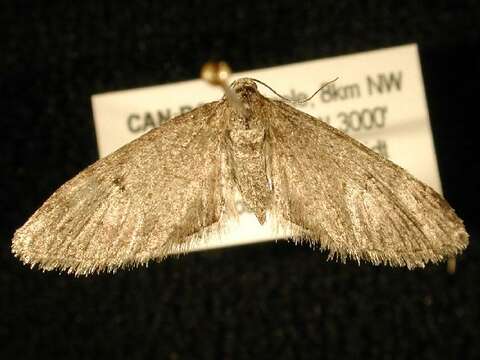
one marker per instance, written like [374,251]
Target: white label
[379,99]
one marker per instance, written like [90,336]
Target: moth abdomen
[249,169]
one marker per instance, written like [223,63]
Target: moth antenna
[217,73]
[295,101]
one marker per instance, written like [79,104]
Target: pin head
[216,73]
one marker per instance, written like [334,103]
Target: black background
[259,301]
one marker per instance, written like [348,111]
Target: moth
[175,186]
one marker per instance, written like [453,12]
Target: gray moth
[175,186]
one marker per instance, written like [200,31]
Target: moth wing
[152,196]
[350,200]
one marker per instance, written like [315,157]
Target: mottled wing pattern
[154,195]
[352,201]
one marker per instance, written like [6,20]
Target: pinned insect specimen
[175,186]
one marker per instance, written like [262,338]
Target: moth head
[244,86]
[238,93]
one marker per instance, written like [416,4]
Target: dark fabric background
[261,301]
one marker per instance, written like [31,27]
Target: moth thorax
[247,137]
